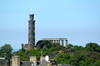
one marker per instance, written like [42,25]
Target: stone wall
[25,46]
[33,59]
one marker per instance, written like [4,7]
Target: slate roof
[44,63]
[26,63]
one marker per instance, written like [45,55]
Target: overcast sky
[76,20]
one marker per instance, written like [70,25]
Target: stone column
[15,61]
[22,46]
[59,41]
[33,59]
[54,41]
[62,43]
[66,43]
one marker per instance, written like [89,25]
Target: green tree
[78,47]
[23,50]
[97,63]
[57,47]
[55,44]
[33,52]
[23,56]
[69,46]
[6,49]
[43,43]
[92,47]
[62,58]
[79,59]
[44,48]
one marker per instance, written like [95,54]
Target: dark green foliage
[73,55]
[35,52]
[62,58]
[92,47]
[23,56]
[44,48]
[43,43]
[79,59]
[23,50]
[6,50]
[69,46]
[97,63]
[78,47]
[57,47]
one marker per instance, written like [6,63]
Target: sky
[76,20]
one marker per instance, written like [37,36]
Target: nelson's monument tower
[31,36]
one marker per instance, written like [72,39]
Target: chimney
[15,61]
[33,59]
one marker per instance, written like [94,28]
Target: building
[15,61]
[31,36]
[57,40]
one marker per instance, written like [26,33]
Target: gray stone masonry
[15,61]
[33,59]
[31,40]
[57,40]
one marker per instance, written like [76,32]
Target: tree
[62,58]
[43,43]
[44,48]
[78,47]
[46,43]
[57,47]
[23,50]
[92,47]
[33,52]
[69,46]
[79,59]
[97,63]
[6,49]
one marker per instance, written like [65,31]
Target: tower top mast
[31,11]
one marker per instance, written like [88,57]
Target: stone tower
[31,40]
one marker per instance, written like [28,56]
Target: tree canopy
[6,49]
[92,47]
[43,43]
[72,54]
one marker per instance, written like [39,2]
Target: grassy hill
[73,55]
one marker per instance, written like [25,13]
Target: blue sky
[76,20]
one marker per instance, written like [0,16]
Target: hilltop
[72,54]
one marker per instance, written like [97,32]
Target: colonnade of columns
[58,40]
